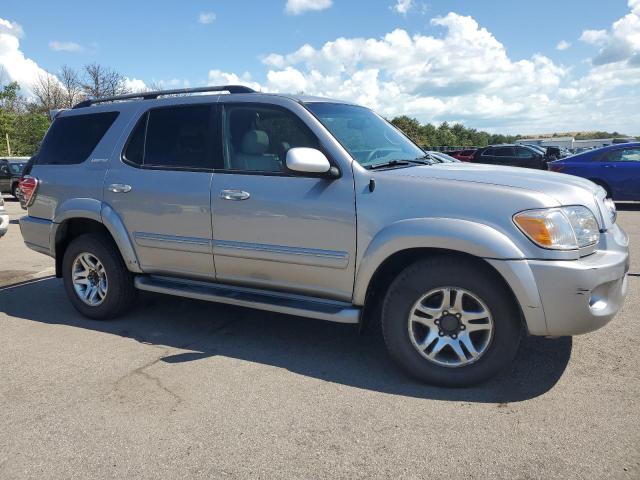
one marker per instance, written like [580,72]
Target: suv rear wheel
[450,322]
[95,277]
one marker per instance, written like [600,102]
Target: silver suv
[321,209]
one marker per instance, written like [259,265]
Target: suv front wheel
[95,277]
[450,322]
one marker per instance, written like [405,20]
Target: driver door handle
[119,188]
[234,195]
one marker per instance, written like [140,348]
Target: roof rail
[158,93]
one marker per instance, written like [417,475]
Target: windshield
[369,138]
[16,167]
[537,148]
[443,157]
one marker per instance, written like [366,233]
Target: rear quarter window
[70,140]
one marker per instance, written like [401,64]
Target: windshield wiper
[400,163]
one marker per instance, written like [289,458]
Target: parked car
[442,157]
[615,167]
[514,155]
[10,172]
[4,218]
[463,155]
[324,210]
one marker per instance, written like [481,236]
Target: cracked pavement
[187,389]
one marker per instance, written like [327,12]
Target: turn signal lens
[566,228]
[548,228]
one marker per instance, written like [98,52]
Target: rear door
[621,170]
[505,156]
[160,183]
[525,157]
[487,156]
[276,230]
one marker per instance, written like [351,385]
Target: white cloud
[59,46]
[296,7]
[17,67]
[563,45]
[218,77]
[621,43]
[403,6]
[463,75]
[594,37]
[135,85]
[206,18]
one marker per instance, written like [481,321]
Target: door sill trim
[287,303]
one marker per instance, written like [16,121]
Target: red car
[463,155]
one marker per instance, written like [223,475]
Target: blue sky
[436,59]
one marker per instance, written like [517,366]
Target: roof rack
[158,93]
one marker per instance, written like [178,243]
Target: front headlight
[565,228]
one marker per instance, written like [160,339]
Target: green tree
[411,128]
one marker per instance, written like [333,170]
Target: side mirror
[309,160]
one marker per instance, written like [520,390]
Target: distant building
[571,143]
[566,142]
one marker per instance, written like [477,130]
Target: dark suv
[514,155]
[10,172]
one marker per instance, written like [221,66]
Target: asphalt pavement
[186,389]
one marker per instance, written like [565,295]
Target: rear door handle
[119,188]
[234,195]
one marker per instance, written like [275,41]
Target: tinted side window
[524,153]
[257,138]
[176,137]
[503,152]
[626,155]
[135,147]
[489,152]
[71,140]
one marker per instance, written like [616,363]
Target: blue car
[616,168]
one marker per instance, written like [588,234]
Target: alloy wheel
[450,326]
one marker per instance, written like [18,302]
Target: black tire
[14,194]
[473,276]
[120,293]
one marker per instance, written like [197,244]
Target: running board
[288,303]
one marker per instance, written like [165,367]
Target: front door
[272,229]
[621,170]
[161,190]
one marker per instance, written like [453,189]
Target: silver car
[321,209]
[4,218]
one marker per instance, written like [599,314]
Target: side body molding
[452,234]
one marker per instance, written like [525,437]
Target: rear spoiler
[55,112]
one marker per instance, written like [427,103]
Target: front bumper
[571,297]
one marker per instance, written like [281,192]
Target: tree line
[24,120]
[446,135]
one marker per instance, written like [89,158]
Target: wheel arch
[462,237]
[97,218]
[398,246]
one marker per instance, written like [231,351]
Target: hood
[565,189]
